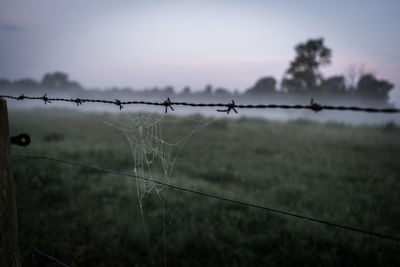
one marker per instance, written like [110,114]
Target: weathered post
[9,243]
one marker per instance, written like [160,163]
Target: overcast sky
[232,43]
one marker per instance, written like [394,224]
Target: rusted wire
[228,106]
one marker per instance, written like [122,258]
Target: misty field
[344,174]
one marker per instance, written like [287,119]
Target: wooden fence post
[9,242]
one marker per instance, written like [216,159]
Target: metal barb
[78,101]
[315,106]
[118,103]
[45,99]
[167,103]
[21,97]
[230,106]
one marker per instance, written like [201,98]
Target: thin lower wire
[44,254]
[341,226]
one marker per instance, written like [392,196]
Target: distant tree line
[55,81]
[303,79]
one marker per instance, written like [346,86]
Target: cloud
[12,28]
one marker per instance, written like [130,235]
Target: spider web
[149,148]
[152,154]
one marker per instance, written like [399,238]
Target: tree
[334,85]
[58,80]
[371,89]
[263,86]
[55,80]
[303,74]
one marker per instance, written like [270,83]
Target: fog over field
[163,184]
[346,117]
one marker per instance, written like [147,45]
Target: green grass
[344,174]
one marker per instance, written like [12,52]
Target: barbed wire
[228,106]
[37,251]
[239,202]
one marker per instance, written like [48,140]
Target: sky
[231,44]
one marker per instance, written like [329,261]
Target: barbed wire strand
[228,106]
[44,254]
[239,202]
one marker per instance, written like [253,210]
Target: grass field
[344,174]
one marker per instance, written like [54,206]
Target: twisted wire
[228,106]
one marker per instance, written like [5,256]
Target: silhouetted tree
[303,74]
[334,85]
[58,80]
[263,86]
[54,80]
[373,90]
